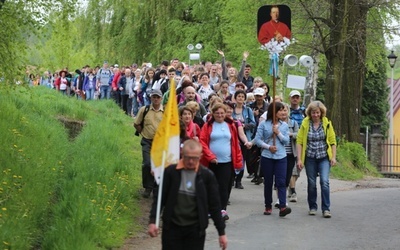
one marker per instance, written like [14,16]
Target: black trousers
[291,161]
[147,177]
[183,237]
[224,174]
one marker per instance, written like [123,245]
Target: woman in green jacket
[316,150]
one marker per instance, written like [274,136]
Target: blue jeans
[271,168]
[313,167]
[105,91]
[90,94]
[135,106]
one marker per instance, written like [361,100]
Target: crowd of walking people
[231,116]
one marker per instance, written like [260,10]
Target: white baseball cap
[259,91]
[294,92]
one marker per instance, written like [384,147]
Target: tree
[344,41]
[18,21]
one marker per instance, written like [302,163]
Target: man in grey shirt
[103,81]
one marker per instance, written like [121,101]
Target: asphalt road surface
[365,215]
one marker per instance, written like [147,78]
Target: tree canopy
[345,38]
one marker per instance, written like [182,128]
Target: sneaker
[224,215]
[259,181]
[250,176]
[312,212]
[327,214]
[268,211]
[239,185]
[293,198]
[254,180]
[284,211]
[276,204]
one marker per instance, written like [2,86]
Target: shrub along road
[364,216]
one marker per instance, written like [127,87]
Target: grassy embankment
[77,188]
[65,188]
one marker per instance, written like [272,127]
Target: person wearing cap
[297,113]
[146,124]
[258,107]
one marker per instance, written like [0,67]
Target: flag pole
[274,75]
[160,190]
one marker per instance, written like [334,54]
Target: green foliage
[352,162]
[60,192]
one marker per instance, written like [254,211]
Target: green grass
[63,193]
[352,162]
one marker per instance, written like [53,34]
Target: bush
[352,162]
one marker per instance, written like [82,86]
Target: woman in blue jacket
[272,137]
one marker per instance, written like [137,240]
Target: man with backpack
[146,124]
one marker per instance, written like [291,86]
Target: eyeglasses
[191,158]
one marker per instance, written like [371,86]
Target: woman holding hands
[272,137]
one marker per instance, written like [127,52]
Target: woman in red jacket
[221,151]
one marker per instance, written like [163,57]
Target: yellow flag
[165,148]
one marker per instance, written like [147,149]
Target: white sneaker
[277,203]
[293,198]
[312,212]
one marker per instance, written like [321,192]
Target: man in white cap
[297,113]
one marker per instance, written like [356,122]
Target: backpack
[298,115]
[146,110]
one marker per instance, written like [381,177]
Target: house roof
[396,94]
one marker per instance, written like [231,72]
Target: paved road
[365,215]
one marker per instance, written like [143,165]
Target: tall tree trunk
[346,66]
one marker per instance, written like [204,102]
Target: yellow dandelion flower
[20,150]
[98,183]
[108,219]
[6,243]
[54,169]
[14,176]
[4,209]
[4,183]
[15,146]
[19,177]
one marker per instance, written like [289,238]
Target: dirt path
[142,240]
